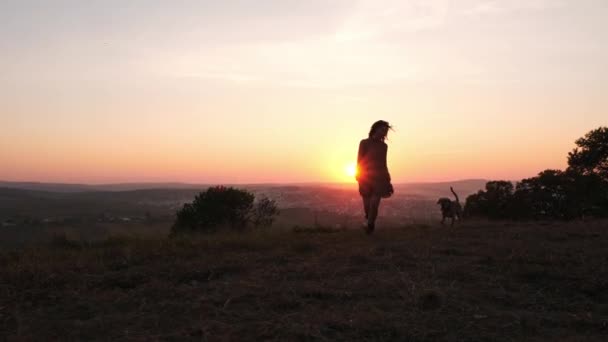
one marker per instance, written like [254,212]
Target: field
[476,282]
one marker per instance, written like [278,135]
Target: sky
[280,91]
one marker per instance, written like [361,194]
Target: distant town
[33,204]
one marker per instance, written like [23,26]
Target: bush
[221,207]
[264,212]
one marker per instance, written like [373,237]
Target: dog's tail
[454,192]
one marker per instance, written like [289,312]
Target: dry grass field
[476,282]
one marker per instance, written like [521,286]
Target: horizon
[241,184]
[281,92]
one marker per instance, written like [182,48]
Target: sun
[351,170]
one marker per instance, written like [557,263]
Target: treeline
[579,191]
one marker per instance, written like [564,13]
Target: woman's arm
[360,154]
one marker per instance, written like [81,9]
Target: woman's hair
[378,125]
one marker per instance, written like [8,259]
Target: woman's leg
[366,201]
[374,204]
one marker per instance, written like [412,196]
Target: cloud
[485,7]
[371,19]
[355,53]
[315,63]
[373,43]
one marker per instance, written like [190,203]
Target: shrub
[264,212]
[219,207]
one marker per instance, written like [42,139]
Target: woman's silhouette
[372,172]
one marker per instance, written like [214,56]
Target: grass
[476,282]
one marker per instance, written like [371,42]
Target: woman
[372,172]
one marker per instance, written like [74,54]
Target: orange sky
[282,91]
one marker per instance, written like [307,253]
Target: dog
[450,209]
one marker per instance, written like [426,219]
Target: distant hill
[463,188]
[429,189]
[38,203]
[74,187]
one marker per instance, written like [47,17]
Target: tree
[591,154]
[543,196]
[587,195]
[494,202]
[476,205]
[219,207]
[580,191]
[499,195]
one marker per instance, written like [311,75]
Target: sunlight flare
[351,170]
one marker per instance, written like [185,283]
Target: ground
[475,282]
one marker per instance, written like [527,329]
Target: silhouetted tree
[580,191]
[545,195]
[588,165]
[224,207]
[494,202]
[475,205]
[587,195]
[591,154]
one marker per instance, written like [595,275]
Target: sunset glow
[280,91]
[351,170]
